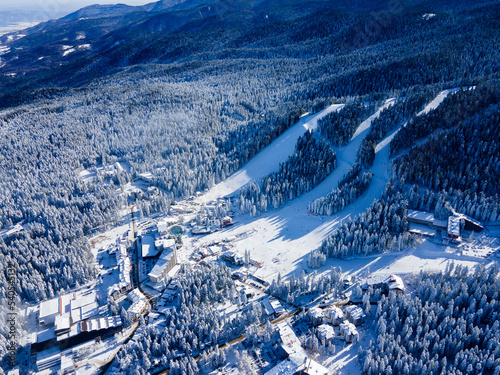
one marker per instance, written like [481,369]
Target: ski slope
[269,159]
[282,239]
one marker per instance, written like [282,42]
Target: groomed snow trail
[268,159]
[282,239]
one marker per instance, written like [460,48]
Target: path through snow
[283,238]
[267,160]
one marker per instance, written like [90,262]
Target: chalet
[316,316]
[226,221]
[355,314]
[453,230]
[326,333]
[395,283]
[233,258]
[385,284]
[334,315]
[348,332]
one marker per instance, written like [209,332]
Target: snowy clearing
[282,239]
[267,160]
[16,27]
[290,233]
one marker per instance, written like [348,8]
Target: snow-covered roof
[83,300]
[276,305]
[267,306]
[46,335]
[49,308]
[316,313]
[137,307]
[100,323]
[85,312]
[67,362]
[355,312]
[148,246]
[162,227]
[158,269]
[348,328]
[164,243]
[326,331]
[454,225]
[62,322]
[48,354]
[291,344]
[214,249]
[167,254]
[421,216]
[396,282]
[285,367]
[135,295]
[335,313]
[311,367]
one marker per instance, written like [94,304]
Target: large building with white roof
[348,331]
[297,361]
[167,261]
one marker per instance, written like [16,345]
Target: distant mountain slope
[102,40]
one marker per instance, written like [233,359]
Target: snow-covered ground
[288,234]
[282,239]
[16,26]
[267,160]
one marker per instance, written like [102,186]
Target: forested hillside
[449,326]
[190,95]
[312,161]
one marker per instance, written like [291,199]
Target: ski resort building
[453,226]
[272,307]
[165,244]
[49,310]
[148,249]
[385,284]
[139,303]
[316,316]
[101,323]
[233,258]
[124,264]
[326,333]
[458,223]
[167,261]
[355,314]
[334,315]
[348,332]
[48,358]
[453,231]
[297,361]
[73,306]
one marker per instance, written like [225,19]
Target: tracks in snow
[289,233]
